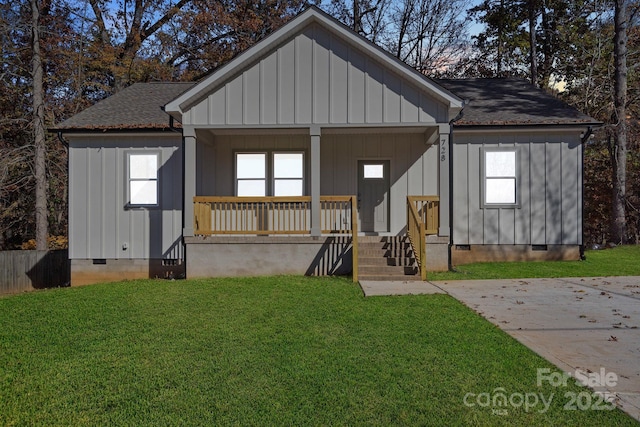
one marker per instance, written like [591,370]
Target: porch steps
[386,258]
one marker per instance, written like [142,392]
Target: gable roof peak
[312,14]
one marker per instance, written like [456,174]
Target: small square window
[373,171]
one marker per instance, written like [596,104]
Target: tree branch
[102,28]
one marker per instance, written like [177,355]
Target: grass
[267,351]
[620,261]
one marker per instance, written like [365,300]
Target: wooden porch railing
[428,208]
[276,215]
[422,220]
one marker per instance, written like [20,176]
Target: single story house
[317,152]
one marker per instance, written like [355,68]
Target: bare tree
[39,130]
[533,60]
[619,145]
[428,34]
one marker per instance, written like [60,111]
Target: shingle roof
[511,101]
[491,102]
[136,107]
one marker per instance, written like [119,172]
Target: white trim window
[288,174]
[251,174]
[283,171]
[142,178]
[500,178]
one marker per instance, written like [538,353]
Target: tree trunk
[619,152]
[38,131]
[500,43]
[533,60]
[357,27]
[544,70]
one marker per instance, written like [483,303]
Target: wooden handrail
[428,209]
[230,199]
[354,237]
[417,237]
[422,220]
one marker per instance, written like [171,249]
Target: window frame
[129,179]
[273,174]
[485,178]
[270,179]
[235,172]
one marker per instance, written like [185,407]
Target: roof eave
[118,129]
[526,124]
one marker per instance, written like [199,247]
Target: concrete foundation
[88,271]
[467,254]
[437,253]
[224,256]
[220,256]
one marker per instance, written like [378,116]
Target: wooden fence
[28,270]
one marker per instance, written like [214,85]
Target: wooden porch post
[444,190]
[314,133]
[189,136]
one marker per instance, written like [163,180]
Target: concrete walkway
[589,326]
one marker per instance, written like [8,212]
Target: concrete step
[370,246]
[387,270]
[389,278]
[386,261]
[382,240]
[386,258]
[381,253]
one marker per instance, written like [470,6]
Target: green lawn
[268,351]
[620,261]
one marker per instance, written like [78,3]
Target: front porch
[247,236]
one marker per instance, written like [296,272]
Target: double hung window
[275,174]
[500,178]
[142,177]
[251,174]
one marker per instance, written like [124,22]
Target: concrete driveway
[585,326]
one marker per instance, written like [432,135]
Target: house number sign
[443,150]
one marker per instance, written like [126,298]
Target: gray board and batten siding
[315,77]
[549,171]
[101,224]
